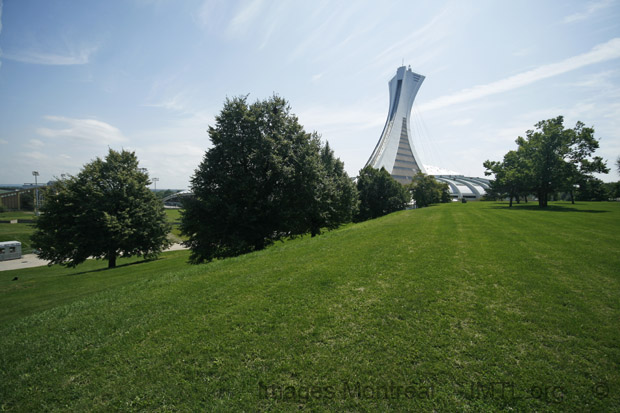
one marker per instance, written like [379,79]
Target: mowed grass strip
[472,307]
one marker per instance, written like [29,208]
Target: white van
[10,250]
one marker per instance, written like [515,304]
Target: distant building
[20,199]
[176,200]
[395,150]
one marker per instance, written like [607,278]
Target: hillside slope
[460,306]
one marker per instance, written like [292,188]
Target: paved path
[32,260]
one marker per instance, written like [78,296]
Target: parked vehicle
[10,250]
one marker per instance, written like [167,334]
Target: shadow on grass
[549,208]
[118,266]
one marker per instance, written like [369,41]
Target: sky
[79,77]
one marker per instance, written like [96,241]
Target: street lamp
[155,180]
[36,193]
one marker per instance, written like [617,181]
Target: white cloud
[427,42]
[3,142]
[602,80]
[210,14]
[242,21]
[35,155]
[177,103]
[36,143]
[86,130]
[591,8]
[600,53]
[318,76]
[79,57]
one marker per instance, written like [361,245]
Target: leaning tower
[395,151]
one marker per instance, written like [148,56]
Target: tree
[264,179]
[550,159]
[27,201]
[613,189]
[106,211]
[162,193]
[593,189]
[512,176]
[379,194]
[426,190]
[618,164]
[338,201]
[559,158]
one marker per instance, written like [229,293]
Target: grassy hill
[469,307]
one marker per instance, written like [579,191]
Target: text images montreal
[504,390]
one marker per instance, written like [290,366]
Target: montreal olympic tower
[395,150]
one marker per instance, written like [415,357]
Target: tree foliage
[593,189]
[337,200]
[379,194]
[512,177]
[549,159]
[426,190]
[106,211]
[264,178]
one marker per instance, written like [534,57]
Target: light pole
[155,180]
[36,193]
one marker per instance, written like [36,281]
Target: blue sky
[77,77]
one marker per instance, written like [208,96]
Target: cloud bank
[85,130]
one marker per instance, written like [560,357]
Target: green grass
[450,300]
[174,217]
[17,232]
[4,216]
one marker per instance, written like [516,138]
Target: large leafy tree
[264,178]
[379,194]
[549,159]
[426,190]
[106,211]
[559,158]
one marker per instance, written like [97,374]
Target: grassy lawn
[4,216]
[17,232]
[466,307]
[174,217]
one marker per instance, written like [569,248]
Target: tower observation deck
[395,150]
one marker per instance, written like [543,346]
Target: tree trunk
[510,201]
[572,198]
[525,197]
[112,259]
[518,199]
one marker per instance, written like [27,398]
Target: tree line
[263,179]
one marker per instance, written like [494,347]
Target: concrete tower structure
[395,151]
